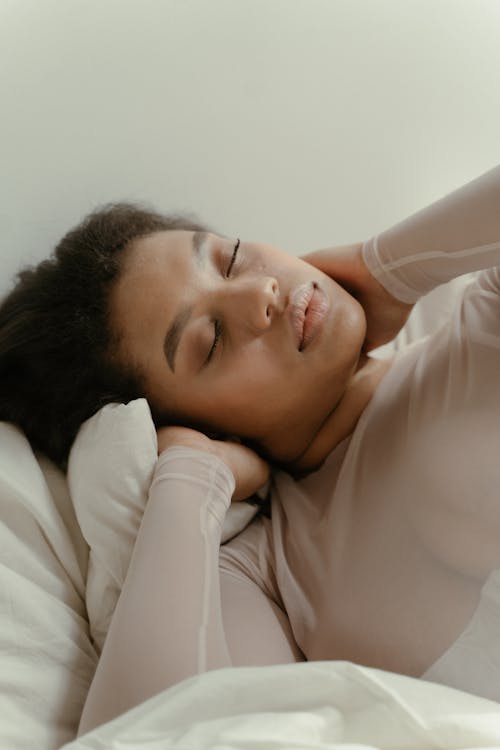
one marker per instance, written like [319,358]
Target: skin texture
[258,385]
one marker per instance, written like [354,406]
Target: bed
[60,578]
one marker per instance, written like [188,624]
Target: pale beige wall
[302,123]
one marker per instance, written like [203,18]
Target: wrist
[183,436]
[199,465]
[383,279]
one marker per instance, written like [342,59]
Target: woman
[381,547]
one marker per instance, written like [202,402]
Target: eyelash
[217,323]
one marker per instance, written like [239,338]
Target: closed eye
[217,323]
[233,258]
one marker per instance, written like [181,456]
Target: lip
[307,310]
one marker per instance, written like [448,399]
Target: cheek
[249,397]
[343,342]
[249,381]
[354,318]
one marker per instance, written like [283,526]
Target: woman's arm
[388,273]
[457,234]
[167,625]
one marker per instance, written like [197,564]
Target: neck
[343,419]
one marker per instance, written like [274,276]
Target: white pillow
[110,470]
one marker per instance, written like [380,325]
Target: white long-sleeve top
[389,554]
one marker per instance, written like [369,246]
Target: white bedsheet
[309,705]
[47,660]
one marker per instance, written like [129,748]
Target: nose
[251,303]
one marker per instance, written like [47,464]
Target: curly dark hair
[58,363]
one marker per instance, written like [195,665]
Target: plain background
[302,123]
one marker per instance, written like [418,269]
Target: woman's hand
[385,315]
[250,471]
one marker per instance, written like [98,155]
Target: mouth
[307,310]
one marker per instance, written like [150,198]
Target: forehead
[155,269]
[145,253]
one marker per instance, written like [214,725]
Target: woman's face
[216,326]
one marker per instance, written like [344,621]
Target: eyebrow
[174,333]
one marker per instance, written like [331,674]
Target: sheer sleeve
[167,625]
[186,606]
[458,234]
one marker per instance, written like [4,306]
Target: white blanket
[310,705]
